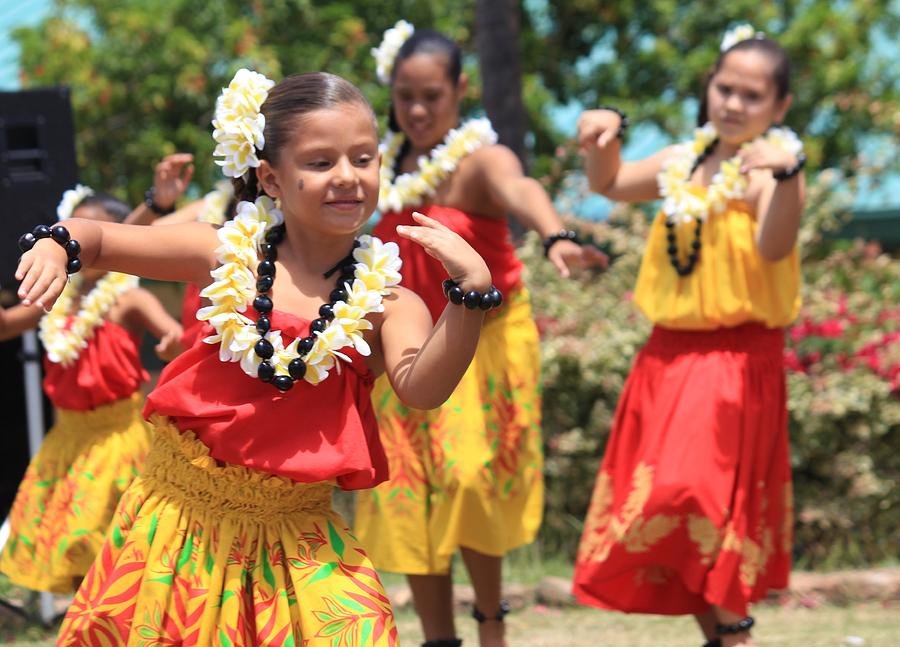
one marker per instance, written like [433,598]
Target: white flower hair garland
[239,124]
[411,189]
[71,199]
[680,204]
[737,34]
[64,342]
[377,268]
[386,53]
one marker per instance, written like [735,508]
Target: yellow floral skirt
[69,493]
[202,554]
[470,473]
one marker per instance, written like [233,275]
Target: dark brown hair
[293,97]
[781,72]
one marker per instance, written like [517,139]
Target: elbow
[772,252]
[423,401]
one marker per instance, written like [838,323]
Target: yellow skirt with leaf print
[69,493]
[470,473]
[205,554]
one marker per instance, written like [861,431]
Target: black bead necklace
[672,249]
[263,305]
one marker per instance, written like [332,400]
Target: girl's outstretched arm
[171,178]
[606,172]
[423,362]
[528,202]
[17,319]
[144,313]
[176,253]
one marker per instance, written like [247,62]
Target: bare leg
[433,599]
[485,571]
[707,622]
[726,617]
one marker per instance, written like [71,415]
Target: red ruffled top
[308,434]
[190,325]
[109,369]
[424,275]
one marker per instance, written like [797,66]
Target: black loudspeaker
[37,163]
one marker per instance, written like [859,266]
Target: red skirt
[692,506]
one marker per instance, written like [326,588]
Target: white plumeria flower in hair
[238,123]
[71,199]
[386,53]
[737,34]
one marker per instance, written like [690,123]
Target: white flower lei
[234,288]
[216,202]
[239,124]
[680,204]
[738,33]
[64,345]
[71,198]
[386,53]
[410,189]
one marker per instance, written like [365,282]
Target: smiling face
[327,175]
[742,97]
[425,99]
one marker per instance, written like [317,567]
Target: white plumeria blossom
[71,198]
[411,189]
[238,123]
[233,289]
[683,205]
[216,202]
[738,33]
[64,341]
[386,53]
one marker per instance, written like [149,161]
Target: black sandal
[443,642]
[481,618]
[738,627]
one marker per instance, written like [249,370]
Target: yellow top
[731,283]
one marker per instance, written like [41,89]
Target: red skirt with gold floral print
[692,506]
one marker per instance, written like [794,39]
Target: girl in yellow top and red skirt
[692,511]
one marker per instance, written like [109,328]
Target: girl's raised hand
[597,128]
[42,271]
[463,264]
[567,254]
[764,155]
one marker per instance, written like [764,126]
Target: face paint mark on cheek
[300,185]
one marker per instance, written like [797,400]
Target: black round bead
[265,268]
[265,372]
[447,284]
[456,294]
[487,301]
[73,265]
[326,311]
[498,297]
[60,234]
[672,250]
[264,348]
[670,224]
[41,231]
[72,248]
[338,294]
[275,235]
[696,244]
[670,237]
[262,304]
[26,242]
[674,262]
[471,299]
[269,252]
[347,277]
[317,325]
[263,325]
[297,368]
[692,259]
[264,283]
[305,345]
[283,382]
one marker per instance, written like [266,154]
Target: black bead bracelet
[562,234]
[623,124]
[738,627]
[472,299]
[788,173]
[59,234]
